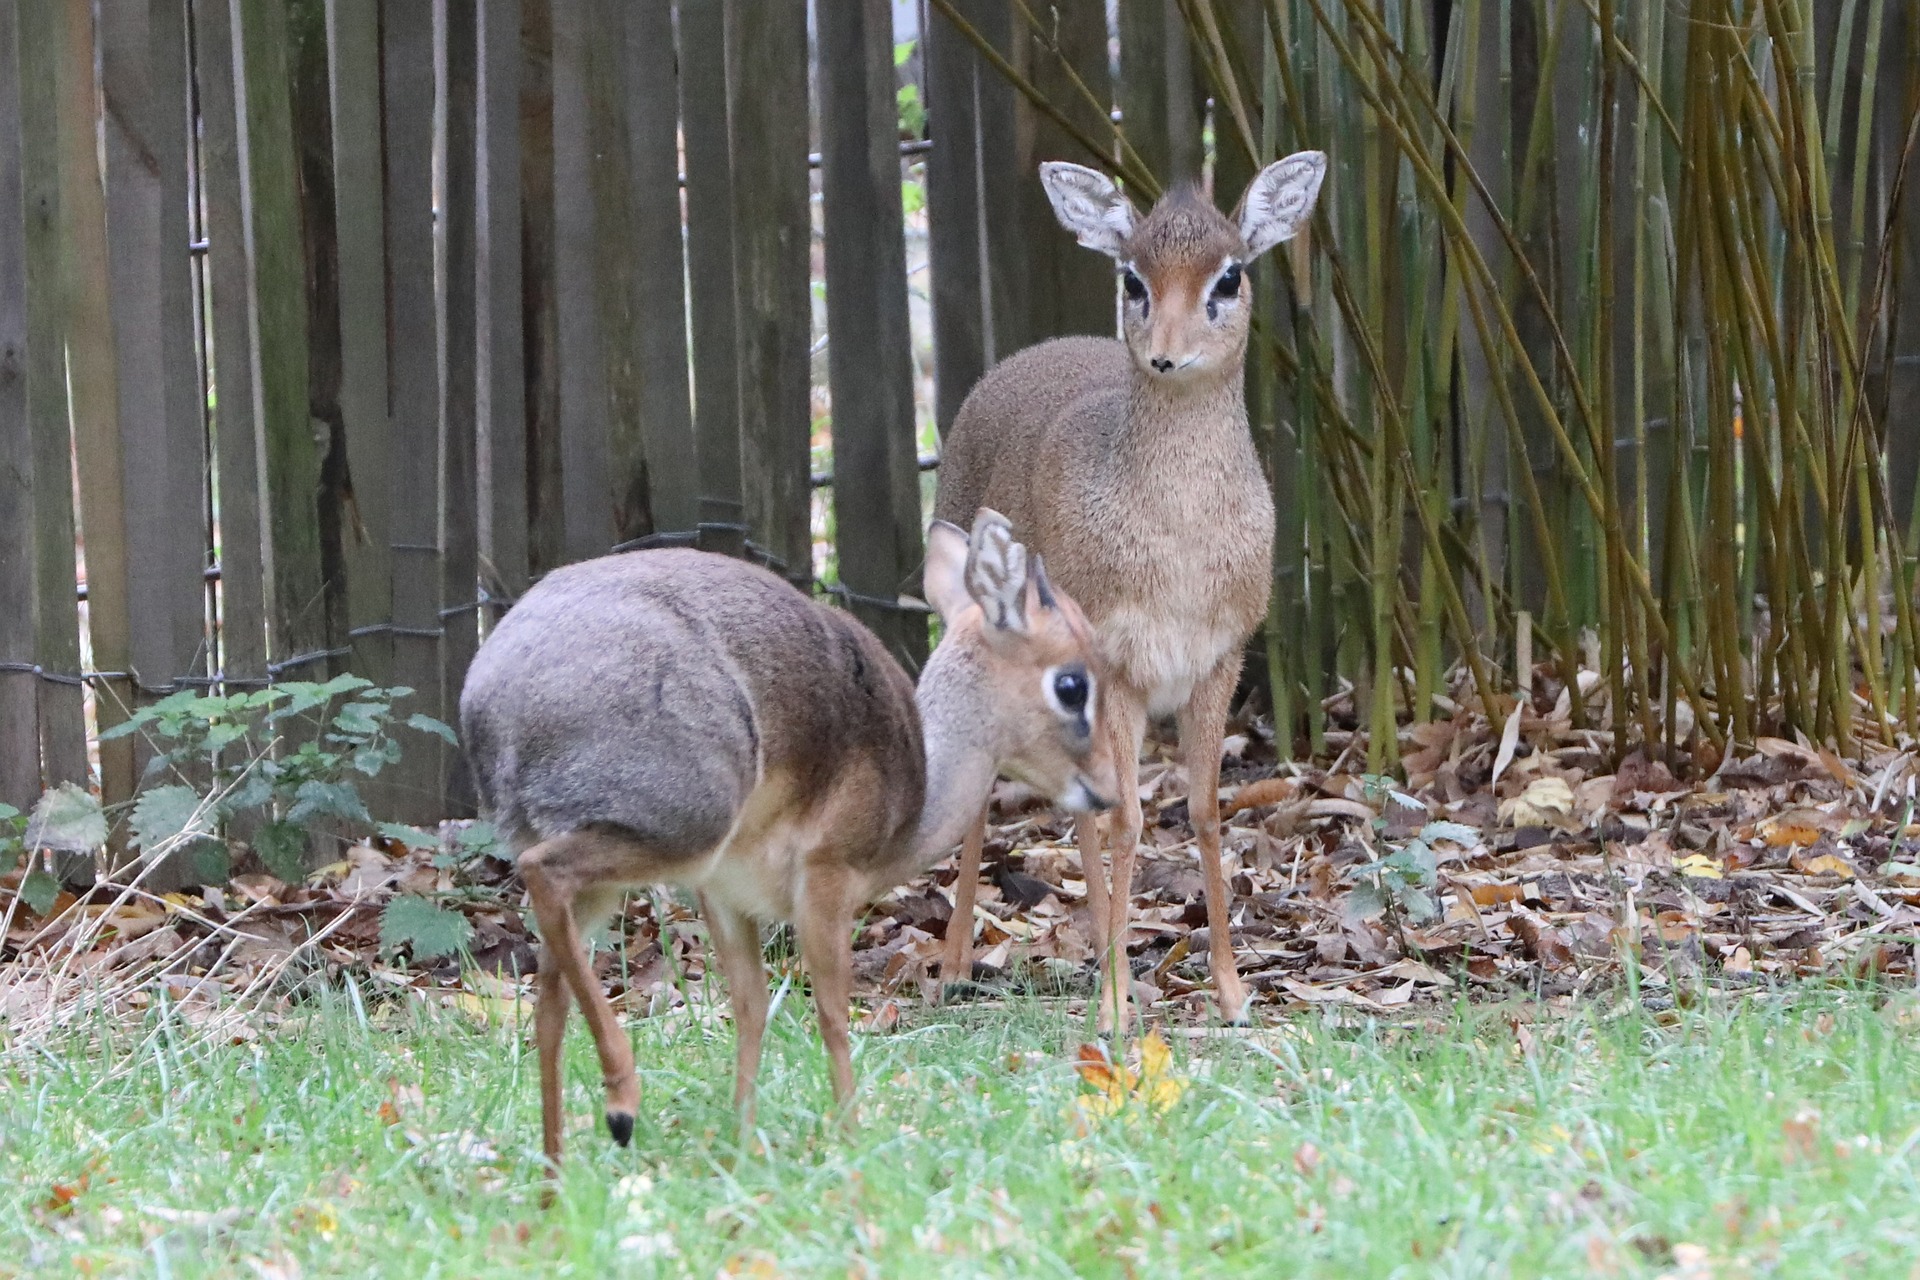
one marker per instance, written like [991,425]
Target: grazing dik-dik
[1129,465]
[682,718]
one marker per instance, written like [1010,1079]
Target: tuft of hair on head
[996,574]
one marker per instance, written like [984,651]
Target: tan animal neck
[961,756]
[1191,409]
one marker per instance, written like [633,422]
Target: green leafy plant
[292,754]
[912,112]
[1402,884]
[422,928]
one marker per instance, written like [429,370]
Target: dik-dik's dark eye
[1228,285]
[1071,687]
[1136,288]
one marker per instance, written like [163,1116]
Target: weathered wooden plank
[653,128]
[546,536]
[143,72]
[500,392]
[236,423]
[580,367]
[956,240]
[297,627]
[1070,290]
[1005,179]
[1161,106]
[359,220]
[308,92]
[607,216]
[710,265]
[63,743]
[1895,99]
[95,389]
[19,722]
[876,495]
[459,566]
[767,69]
[413,385]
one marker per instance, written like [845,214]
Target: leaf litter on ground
[1512,858]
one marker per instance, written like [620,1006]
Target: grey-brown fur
[1129,466]
[678,717]
[632,692]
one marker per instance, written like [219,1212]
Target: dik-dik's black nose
[1161,363]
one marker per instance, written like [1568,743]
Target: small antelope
[1130,467]
[683,718]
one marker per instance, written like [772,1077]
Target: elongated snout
[1082,797]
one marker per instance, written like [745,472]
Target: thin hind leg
[736,943]
[550,1032]
[574,880]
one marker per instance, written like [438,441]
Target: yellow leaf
[1825,864]
[1155,1056]
[1699,866]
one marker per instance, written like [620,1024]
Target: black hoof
[620,1125]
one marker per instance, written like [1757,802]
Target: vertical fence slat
[955,236]
[500,391]
[413,384]
[1004,181]
[63,743]
[95,389]
[710,265]
[767,72]
[606,216]
[1160,105]
[243,637]
[1895,104]
[1071,289]
[876,495]
[460,577]
[143,69]
[359,219]
[307,91]
[19,729]
[546,532]
[297,622]
[666,414]
[587,511]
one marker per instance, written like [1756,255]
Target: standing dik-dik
[682,718]
[1130,467]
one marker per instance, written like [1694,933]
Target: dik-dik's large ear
[1089,205]
[945,579]
[1280,199]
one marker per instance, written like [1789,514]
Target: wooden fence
[327,327]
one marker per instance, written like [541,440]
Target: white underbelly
[757,869]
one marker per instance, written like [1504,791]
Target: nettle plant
[290,756]
[1403,884]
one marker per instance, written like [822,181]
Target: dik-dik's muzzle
[1081,797]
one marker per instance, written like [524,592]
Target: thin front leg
[1093,869]
[550,1033]
[825,933]
[1127,722]
[956,961]
[555,873]
[736,941]
[1203,725]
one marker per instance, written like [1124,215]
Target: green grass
[1778,1136]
